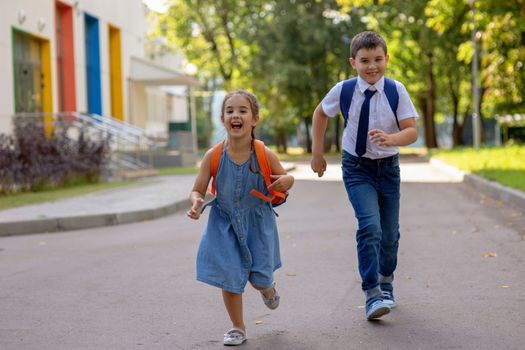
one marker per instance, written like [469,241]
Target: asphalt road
[460,282]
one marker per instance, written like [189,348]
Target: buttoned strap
[264,166]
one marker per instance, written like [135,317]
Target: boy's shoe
[234,336]
[387,289]
[376,309]
[273,301]
[388,298]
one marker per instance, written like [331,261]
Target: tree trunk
[307,134]
[427,103]
[457,129]
[337,131]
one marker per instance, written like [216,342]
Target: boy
[373,131]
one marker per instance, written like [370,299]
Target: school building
[89,57]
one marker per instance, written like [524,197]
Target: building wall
[129,16]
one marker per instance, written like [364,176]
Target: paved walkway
[459,282]
[160,196]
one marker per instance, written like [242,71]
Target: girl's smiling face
[237,116]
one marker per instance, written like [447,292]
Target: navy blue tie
[362,128]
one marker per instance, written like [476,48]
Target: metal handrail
[123,137]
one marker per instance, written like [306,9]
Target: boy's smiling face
[370,64]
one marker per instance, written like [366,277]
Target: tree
[209,33]
[302,49]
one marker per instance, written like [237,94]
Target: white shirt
[381,115]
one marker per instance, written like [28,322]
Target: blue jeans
[373,189]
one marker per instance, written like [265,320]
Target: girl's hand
[281,183]
[195,211]
[381,138]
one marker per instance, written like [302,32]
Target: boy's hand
[381,138]
[195,210]
[281,183]
[318,164]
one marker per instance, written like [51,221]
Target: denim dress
[240,242]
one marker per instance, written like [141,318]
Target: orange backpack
[277,198]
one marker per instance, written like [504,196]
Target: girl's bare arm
[281,181]
[199,188]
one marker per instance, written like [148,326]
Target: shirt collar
[363,85]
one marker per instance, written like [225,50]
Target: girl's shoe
[273,301]
[234,336]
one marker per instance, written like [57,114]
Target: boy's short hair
[366,40]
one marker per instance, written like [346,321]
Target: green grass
[27,198]
[505,165]
[177,171]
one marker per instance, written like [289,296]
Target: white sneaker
[234,336]
[273,301]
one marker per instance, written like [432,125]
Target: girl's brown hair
[254,104]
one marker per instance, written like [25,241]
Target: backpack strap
[347,92]
[266,171]
[393,97]
[345,99]
[216,155]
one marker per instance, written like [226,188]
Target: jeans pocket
[350,163]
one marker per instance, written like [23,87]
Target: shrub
[31,161]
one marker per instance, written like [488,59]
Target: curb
[70,223]
[493,189]
[50,225]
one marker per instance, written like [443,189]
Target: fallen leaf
[258,322]
[490,255]
[289,237]
[505,286]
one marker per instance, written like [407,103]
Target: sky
[156,5]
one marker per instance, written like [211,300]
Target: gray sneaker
[388,298]
[273,301]
[234,336]
[376,309]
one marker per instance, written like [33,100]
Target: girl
[240,242]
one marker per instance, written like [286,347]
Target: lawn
[505,165]
[28,198]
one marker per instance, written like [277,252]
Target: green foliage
[290,52]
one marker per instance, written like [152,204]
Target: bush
[31,161]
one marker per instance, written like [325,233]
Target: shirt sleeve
[330,102]
[405,107]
